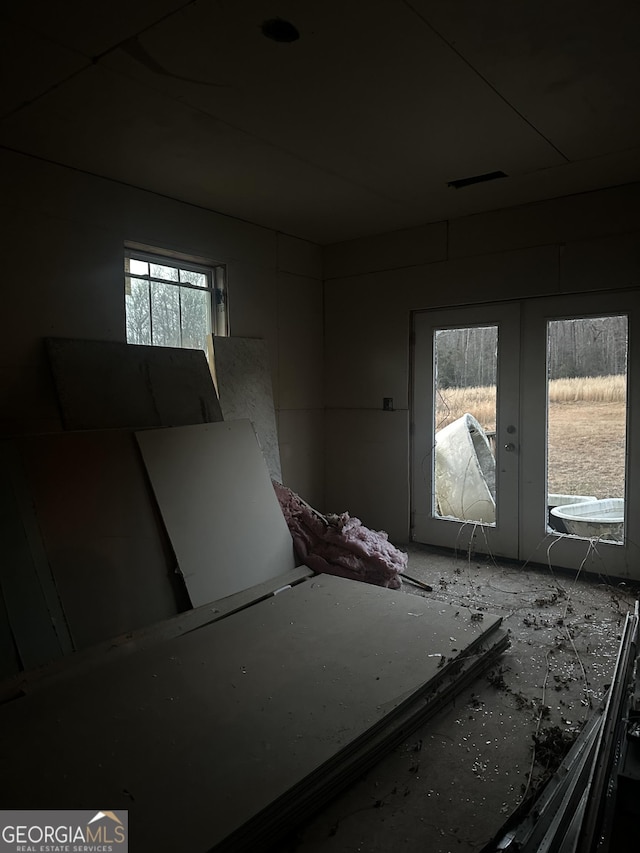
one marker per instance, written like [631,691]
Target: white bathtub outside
[602,519]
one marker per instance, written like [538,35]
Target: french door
[523,431]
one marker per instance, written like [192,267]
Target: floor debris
[477,752]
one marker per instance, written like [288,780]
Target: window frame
[215,275]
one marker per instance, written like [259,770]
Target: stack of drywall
[229,734]
[225,729]
[86,554]
[90,530]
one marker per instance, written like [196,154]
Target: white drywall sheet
[110,557]
[200,734]
[134,641]
[108,384]
[217,500]
[243,378]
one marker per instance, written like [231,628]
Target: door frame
[536,544]
[499,539]
[523,511]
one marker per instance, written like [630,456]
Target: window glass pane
[465,400]
[137,311]
[586,429]
[197,279]
[196,322]
[161,271]
[165,312]
[138,267]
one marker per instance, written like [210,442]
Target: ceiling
[355,128]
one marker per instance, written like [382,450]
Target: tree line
[586,346]
[166,314]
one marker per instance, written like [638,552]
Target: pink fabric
[340,545]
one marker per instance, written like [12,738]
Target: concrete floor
[451,786]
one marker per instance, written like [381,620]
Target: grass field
[587,421]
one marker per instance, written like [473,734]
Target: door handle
[510,447]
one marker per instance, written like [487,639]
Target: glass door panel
[586,426]
[464,425]
[578,507]
[465,433]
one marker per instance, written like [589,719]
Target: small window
[172,301]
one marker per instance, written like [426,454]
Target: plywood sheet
[243,380]
[218,503]
[237,714]
[107,384]
[110,557]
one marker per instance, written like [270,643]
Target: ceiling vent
[476,179]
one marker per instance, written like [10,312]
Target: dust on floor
[456,780]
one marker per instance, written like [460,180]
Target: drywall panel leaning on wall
[243,380]
[103,538]
[108,384]
[33,629]
[217,500]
